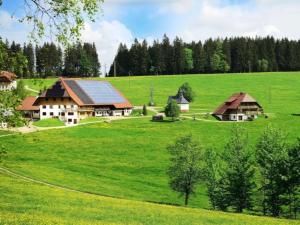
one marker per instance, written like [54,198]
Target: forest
[165,57]
[49,60]
[234,55]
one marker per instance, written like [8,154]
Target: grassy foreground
[24,202]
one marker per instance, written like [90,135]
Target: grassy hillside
[24,202]
[128,158]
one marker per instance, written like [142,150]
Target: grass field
[24,202]
[48,123]
[128,158]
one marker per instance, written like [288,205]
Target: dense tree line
[264,179]
[238,55]
[27,61]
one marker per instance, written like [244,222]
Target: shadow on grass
[296,114]
[165,121]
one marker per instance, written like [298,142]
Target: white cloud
[107,36]
[213,18]
[5,19]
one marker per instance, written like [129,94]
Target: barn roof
[7,76]
[88,92]
[27,104]
[234,102]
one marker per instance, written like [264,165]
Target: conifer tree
[239,170]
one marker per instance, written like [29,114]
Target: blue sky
[124,20]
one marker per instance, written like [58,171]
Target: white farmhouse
[72,100]
[239,107]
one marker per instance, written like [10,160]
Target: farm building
[183,104]
[28,109]
[71,100]
[7,81]
[239,107]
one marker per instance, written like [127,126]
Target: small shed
[28,109]
[158,118]
[183,104]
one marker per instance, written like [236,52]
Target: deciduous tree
[185,171]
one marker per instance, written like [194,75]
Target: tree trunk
[186,200]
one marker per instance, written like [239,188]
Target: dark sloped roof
[180,99]
[88,92]
[56,91]
[234,102]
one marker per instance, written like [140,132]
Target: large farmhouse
[71,100]
[239,107]
[7,81]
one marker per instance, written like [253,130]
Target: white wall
[5,86]
[235,117]
[52,111]
[184,107]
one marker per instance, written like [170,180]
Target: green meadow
[128,159]
[24,202]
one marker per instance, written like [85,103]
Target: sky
[191,20]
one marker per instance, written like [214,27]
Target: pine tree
[239,170]
[293,180]
[271,156]
[172,110]
[178,56]
[29,53]
[167,51]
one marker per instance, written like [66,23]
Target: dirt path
[29,89]
[25,178]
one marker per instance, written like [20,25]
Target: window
[70,113]
[59,106]
[51,106]
[62,114]
[72,106]
[69,120]
[51,114]
[44,106]
[44,114]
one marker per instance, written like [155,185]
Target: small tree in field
[187,92]
[145,112]
[172,110]
[185,169]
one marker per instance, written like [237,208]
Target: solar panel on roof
[100,92]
